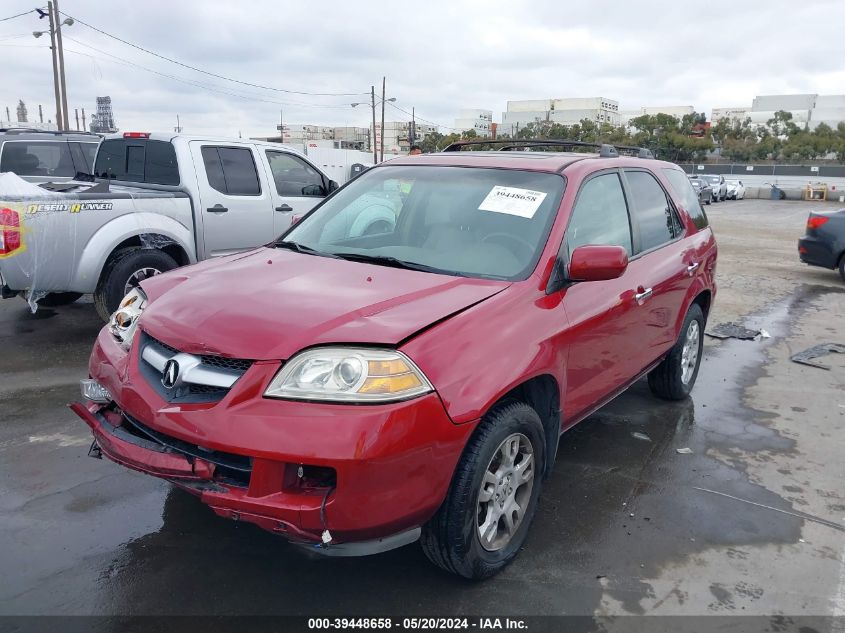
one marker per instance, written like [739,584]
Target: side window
[600,215]
[293,176]
[160,166]
[37,158]
[689,199]
[651,209]
[231,170]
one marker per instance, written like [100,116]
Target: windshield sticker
[513,201]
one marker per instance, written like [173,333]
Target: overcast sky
[438,56]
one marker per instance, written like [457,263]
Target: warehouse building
[564,111]
[807,110]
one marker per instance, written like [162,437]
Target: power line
[12,17]
[211,74]
[120,60]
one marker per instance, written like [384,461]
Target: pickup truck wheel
[485,517]
[126,271]
[842,266]
[55,299]
[675,376]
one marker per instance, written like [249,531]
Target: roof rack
[605,149]
[34,130]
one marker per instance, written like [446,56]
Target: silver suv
[43,156]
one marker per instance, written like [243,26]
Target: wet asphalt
[620,511]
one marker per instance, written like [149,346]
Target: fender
[90,263]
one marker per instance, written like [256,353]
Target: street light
[55,32]
[372,104]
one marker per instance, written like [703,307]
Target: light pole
[372,104]
[62,121]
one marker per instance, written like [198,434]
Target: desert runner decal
[73,207]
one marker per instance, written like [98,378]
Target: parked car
[160,201]
[703,189]
[736,190]
[824,242]
[355,393]
[719,186]
[44,156]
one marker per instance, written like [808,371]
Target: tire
[842,266]
[709,200]
[451,538]
[667,380]
[55,299]
[119,271]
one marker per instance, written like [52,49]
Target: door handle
[642,294]
[284,208]
[692,268]
[217,208]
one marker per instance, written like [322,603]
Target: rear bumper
[816,252]
[393,463]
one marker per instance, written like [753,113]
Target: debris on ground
[808,356]
[733,330]
[640,436]
[684,451]
[764,334]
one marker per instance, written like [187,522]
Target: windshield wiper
[301,248]
[384,260]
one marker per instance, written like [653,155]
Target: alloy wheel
[138,276]
[689,353]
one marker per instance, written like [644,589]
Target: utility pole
[9,116]
[375,148]
[281,125]
[383,97]
[58,22]
[40,114]
[59,118]
[76,114]
[178,128]
[84,125]
[413,134]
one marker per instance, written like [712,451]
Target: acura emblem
[171,374]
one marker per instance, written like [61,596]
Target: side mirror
[597,263]
[333,186]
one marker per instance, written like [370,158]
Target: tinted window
[600,215]
[231,170]
[689,198]
[293,176]
[37,158]
[136,160]
[651,209]
[89,150]
[83,156]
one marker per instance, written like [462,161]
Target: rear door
[236,211]
[660,266]
[296,186]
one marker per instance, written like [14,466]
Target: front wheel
[124,272]
[675,376]
[485,517]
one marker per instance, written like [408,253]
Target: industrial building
[564,111]
[397,135]
[476,119]
[807,110]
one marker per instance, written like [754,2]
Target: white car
[736,190]
[718,185]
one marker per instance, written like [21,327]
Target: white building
[475,119]
[677,111]
[731,113]
[397,135]
[564,111]
[807,110]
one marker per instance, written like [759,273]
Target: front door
[235,210]
[297,187]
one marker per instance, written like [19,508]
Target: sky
[437,56]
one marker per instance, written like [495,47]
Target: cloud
[438,57]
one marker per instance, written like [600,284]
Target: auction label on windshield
[513,201]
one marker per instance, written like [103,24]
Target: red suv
[401,364]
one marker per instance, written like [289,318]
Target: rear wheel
[842,266]
[124,272]
[485,517]
[674,377]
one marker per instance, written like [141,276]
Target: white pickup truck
[157,201]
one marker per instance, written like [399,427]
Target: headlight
[347,374]
[124,322]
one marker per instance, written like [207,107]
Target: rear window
[138,160]
[687,195]
[37,158]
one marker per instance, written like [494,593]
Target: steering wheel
[522,242]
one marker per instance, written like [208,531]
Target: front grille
[230,468]
[190,392]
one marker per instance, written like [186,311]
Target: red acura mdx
[401,363]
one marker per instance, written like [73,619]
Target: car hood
[272,303]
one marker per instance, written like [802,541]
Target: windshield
[713,180]
[473,222]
